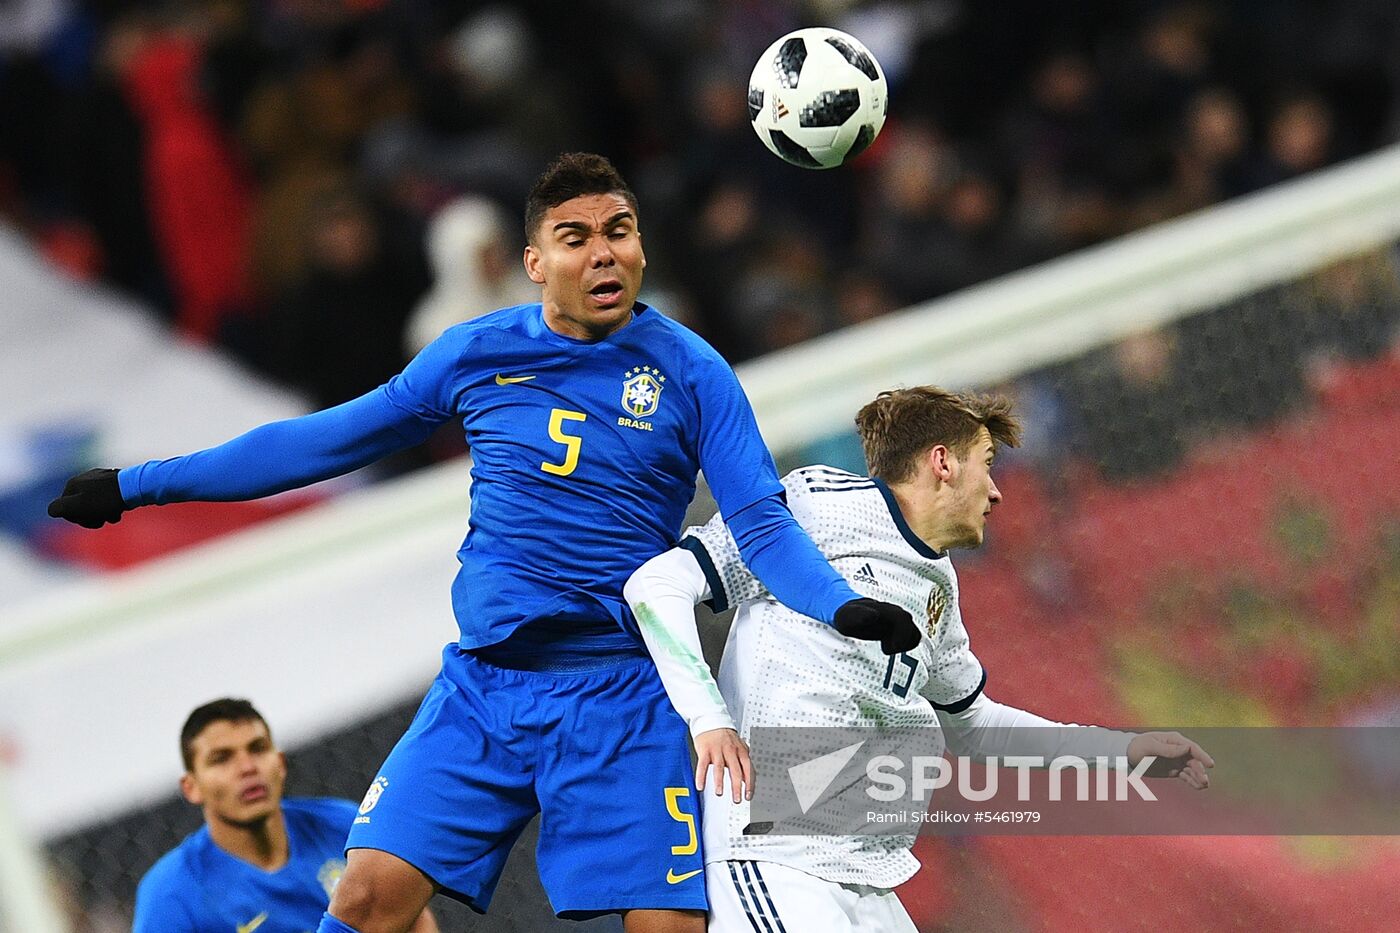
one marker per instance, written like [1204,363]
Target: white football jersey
[781,668]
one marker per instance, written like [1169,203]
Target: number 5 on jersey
[571,442]
[673,807]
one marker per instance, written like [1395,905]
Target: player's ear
[190,789]
[532,265]
[940,460]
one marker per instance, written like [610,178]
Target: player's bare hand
[1174,756]
[723,750]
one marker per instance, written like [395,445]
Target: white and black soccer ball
[817,97]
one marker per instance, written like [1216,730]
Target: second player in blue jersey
[588,415]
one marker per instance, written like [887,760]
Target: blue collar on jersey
[914,540]
[638,309]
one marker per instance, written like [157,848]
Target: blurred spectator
[1174,63]
[337,331]
[29,24]
[974,241]
[722,141]
[302,130]
[199,196]
[784,297]
[787,324]
[1246,364]
[1212,158]
[727,234]
[1047,423]
[184,153]
[476,269]
[486,87]
[1129,407]
[861,296]
[915,175]
[1062,132]
[1299,139]
[1353,312]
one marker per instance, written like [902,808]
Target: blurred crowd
[1136,408]
[321,186]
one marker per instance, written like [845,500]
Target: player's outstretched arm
[987,729]
[663,593]
[269,459]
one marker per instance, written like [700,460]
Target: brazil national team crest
[372,795]
[329,874]
[641,392]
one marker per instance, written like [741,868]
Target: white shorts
[765,897]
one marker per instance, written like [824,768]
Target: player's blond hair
[901,424]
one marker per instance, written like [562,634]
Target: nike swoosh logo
[511,380]
[253,924]
[673,878]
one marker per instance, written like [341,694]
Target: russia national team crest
[641,392]
[937,602]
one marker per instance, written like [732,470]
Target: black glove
[870,620]
[91,499]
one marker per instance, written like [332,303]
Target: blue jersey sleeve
[298,452]
[744,480]
[781,555]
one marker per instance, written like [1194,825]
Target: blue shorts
[601,755]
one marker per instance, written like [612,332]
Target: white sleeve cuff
[708,722]
[663,593]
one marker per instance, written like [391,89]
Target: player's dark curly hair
[225,709]
[901,424]
[572,175]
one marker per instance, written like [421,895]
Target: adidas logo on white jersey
[865,574]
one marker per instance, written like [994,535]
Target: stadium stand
[1206,528]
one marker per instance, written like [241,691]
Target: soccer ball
[817,98]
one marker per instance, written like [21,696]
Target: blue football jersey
[585,456]
[199,888]
[585,459]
